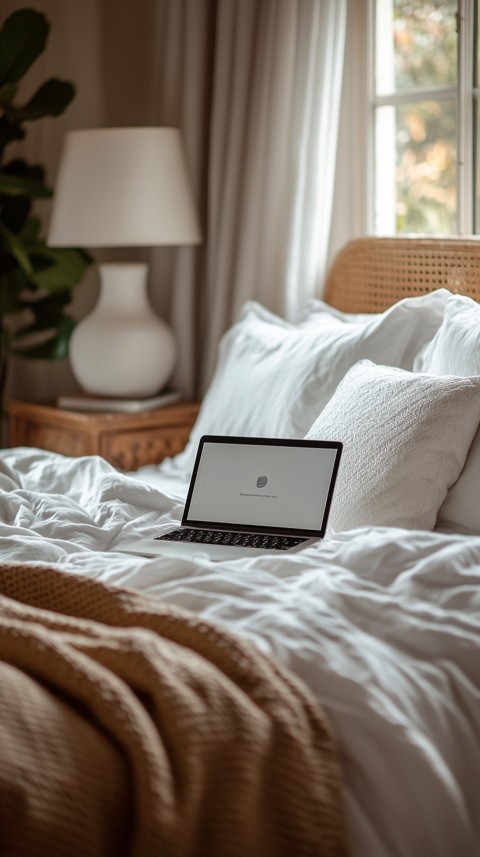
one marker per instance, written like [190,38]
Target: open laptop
[251,496]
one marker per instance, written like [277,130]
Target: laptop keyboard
[221,537]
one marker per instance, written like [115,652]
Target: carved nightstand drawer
[127,441]
[131,449]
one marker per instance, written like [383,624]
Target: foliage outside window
[424,111]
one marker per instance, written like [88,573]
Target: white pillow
[455,350]
[273,378]
[405,439]
[315,307]
[432,304]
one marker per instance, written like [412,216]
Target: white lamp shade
[123,187]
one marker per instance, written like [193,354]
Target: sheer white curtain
[349,218]
[255,86]
[276,97]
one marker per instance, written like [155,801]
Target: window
[426,125]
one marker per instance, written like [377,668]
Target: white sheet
[382,624]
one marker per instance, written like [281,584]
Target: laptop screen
[266,485]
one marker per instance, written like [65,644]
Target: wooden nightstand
[127,441]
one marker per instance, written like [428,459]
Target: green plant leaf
[15,208]
[7,93]
[30,232]
[22,186]
[19,167]
[51,99]
[4,339]
[57,268]
[47,311]
[10,289]
[16,248]
[36,281]
[15,211]
[9,133]
[22,39]
[55,348]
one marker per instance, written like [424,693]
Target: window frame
[467,98]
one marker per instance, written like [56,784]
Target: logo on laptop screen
[262,481]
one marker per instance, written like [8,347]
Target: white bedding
[382,624]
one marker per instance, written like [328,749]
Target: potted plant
[36,281]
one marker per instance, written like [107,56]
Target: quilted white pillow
[405,439]
[455,350]
[273,377]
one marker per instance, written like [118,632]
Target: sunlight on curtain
[318,98]
[277,86]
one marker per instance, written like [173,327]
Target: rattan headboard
[370,274]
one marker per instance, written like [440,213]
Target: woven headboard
[371,274]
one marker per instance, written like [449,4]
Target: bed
[323,703]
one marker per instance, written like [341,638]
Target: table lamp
[123,187]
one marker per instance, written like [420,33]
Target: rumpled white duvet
[382,624]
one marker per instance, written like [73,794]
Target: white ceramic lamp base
[122,348]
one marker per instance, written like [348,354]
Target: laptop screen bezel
[259,441]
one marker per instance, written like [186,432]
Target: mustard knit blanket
[131,727]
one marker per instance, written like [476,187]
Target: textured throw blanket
[129,727]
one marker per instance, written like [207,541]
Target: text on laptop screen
[251,485]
